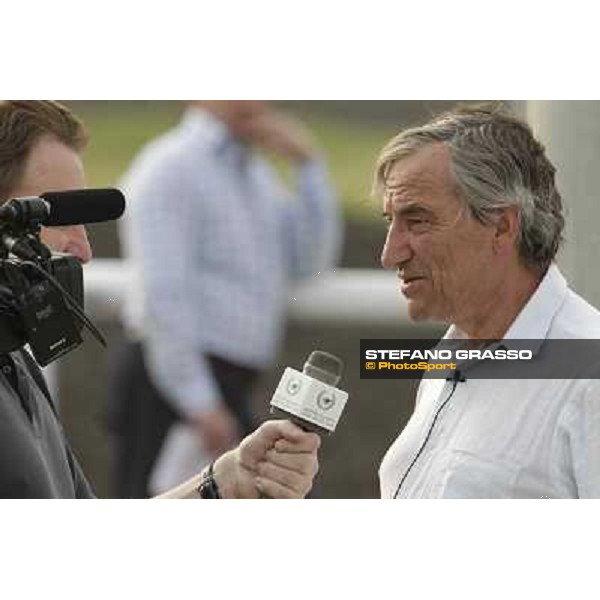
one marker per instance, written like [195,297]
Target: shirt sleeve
[312,222]
[579,425]
[80,483]
[161,231]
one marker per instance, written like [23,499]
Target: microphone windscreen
[324,366]
[77,207]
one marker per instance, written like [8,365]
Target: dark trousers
[140,417]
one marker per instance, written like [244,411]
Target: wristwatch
[208,488]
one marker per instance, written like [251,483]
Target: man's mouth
[409,278]
[410,284]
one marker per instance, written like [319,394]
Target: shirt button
[6,369]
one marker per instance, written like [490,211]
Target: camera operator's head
[40,145]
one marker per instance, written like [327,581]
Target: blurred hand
[278,460]
[274,132]
[218,430]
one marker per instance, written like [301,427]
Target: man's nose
[396,250]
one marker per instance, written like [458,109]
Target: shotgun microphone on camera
[73,207]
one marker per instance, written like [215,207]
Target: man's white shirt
[512,438]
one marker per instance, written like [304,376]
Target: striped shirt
[215,240]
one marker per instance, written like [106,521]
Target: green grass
[119,129]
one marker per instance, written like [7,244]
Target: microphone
[73,207]
[76,207]
[457,377]
[311,399]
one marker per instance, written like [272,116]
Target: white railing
[345,295]
[338,297]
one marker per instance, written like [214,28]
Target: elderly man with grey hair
[475,221]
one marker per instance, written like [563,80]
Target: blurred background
[351,134]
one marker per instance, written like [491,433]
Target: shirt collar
[535,318]
[201,122]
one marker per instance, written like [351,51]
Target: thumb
[254,448]
[293,438]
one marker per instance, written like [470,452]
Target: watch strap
[208,488]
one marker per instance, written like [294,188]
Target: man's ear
[506,229]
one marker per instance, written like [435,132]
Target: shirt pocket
[471,476]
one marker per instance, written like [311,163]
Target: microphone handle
[303,424]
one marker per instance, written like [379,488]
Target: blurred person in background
[216,241]
[474,224]
[40,146]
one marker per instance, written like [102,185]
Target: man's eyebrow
[410,208]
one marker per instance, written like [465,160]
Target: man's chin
[421,313]
[416,311]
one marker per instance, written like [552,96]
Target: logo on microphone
[293,386]
[326,400]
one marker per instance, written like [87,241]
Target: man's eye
[419,223]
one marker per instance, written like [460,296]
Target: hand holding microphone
[279,460]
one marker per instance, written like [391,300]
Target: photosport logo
[479,359]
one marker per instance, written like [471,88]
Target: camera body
[35,311]
[41,293]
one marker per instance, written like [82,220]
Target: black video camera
[41,293]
